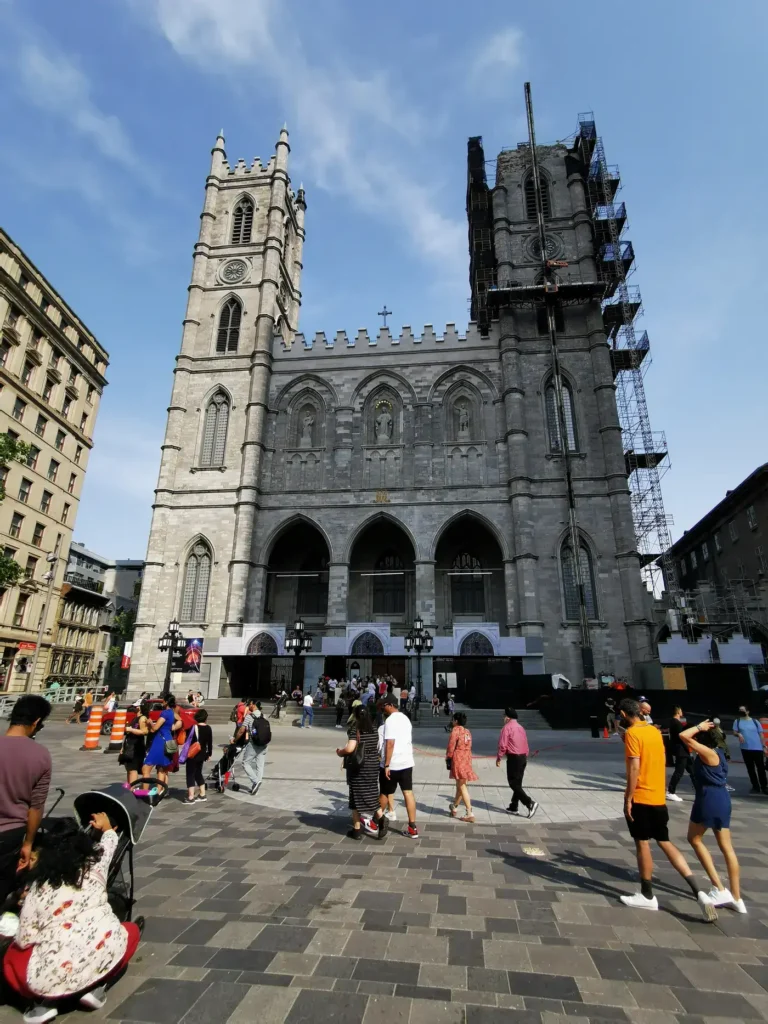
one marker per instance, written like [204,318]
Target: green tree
[11,450]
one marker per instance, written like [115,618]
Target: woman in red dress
[459,758]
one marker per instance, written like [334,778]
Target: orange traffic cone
[605,732]
[93,730]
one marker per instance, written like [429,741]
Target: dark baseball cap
[389,699]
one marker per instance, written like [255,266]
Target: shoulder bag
[354,762]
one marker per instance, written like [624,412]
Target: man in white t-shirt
[307,711]
[397,761]
[332,691]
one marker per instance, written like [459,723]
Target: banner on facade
[193,655]
[27,645]
[125,661]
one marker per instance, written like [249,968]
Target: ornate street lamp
[419,640]
[297,642]
[171,642]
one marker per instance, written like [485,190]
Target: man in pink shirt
[513,743]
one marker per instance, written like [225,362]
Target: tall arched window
[467,586]
[242,222]
[197,576]
[229,326]
[570,588]
[215,431]
[530,198]
[389,585]
[312,596]
[553,420]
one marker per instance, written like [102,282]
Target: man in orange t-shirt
[645,809]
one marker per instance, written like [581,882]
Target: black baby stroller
[129,816]
[224,771]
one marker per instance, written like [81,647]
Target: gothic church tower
[245,288]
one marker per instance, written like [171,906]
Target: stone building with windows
[359,480]
[51,380]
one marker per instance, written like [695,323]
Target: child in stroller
[74,932]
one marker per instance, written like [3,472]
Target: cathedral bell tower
[245,288]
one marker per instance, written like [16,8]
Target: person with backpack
[257,733]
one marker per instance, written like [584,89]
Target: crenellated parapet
[341,342]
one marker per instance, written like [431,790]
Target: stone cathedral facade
[358,480]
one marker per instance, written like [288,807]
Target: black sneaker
[140,922]
[383,826]
[755,789]
[532,809]
[356,834]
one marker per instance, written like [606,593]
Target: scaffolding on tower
[645,451]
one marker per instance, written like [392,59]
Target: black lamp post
[419,640]
[298,641]
[171,642]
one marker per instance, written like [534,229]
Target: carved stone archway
[263,643]
[367,645]
[476,645]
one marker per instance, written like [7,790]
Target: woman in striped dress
[363,776]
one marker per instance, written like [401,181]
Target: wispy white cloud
[495,60]
[56,85]
[349,124]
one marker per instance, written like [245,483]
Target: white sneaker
[40,1014]
[738,906]
[391,815]
[708,911]
[95,999]
[720,896]
[533,808]
[640,902]
[674,798]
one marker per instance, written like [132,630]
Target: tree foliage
[11,450]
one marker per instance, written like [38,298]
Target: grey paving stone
[160,1001]
[327,1008]
[395,971]
[217,1003]
[715,1004]
[283,938]
[545,986]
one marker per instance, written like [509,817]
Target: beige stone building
[51,380]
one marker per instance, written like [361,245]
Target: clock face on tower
[234,271]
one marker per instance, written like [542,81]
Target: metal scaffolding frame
[645,451]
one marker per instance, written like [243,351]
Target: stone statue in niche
[383,423]
[307,425]
[462,411]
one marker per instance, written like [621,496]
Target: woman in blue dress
[712,809]
[162,732]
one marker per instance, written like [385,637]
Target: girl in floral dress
[459,754]
[69,941]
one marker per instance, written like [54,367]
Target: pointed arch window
[467,585]
[242,222]
[229,326]
[215,431]
[197,576]
[530,198]
[570,586]
[553,420]
[389,585]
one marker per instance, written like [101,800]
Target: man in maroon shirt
[513,743]
[25,775]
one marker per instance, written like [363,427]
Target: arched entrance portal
[296,587]
[469,586]
[382,589]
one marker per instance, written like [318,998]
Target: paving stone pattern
[260,915]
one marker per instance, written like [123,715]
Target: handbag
[190,750]
[170,748]
[449,763]
[354,762]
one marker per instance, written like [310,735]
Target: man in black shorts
[645,809]
[397,760]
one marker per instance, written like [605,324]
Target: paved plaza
[261,910]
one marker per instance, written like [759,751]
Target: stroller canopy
[126,812]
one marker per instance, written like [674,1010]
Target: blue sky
[110,111]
